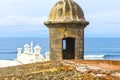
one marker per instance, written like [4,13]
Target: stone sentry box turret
[66,25]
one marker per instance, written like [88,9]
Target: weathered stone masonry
[66,23]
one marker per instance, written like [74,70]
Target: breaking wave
[102,57]
[94,56]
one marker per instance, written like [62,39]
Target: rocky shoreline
[63,70]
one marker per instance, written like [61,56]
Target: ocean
[95,48]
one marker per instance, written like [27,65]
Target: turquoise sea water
[95,48]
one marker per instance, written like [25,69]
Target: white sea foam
[7,63]
[94,57]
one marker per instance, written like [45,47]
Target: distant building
[28,56]
[66,25]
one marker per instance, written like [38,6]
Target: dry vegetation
[52,70]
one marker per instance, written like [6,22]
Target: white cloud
[22,23]
[22,20]
[107,16]
[26,28]
[103,15]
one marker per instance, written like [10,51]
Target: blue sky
[24,18]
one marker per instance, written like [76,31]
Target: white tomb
[30,56]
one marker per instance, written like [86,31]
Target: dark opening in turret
[68,48]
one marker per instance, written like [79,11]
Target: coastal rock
[56,70]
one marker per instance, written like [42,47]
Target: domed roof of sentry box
[66,11]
